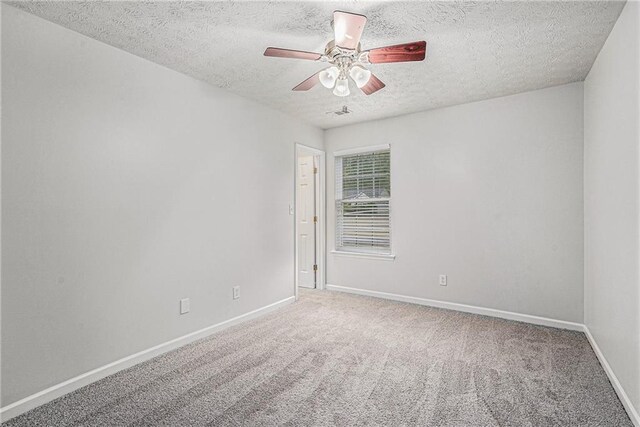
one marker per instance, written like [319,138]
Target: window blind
[363,196]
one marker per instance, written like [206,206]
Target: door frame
[321,211]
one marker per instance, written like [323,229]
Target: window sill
[384,257]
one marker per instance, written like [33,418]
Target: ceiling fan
[347,59]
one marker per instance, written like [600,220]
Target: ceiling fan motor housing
[344,58]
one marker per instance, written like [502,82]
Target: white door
[306,218]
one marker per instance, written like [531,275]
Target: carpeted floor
[339,359]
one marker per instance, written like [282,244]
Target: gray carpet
[339,359]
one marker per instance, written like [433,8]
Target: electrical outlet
[443,280]
[236,292]
[184,306]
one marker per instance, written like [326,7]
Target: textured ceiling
[476,50]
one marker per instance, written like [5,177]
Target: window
[363,196]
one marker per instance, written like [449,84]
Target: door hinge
[315,267]
[315,170]
[315,219]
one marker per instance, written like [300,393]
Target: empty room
[318,213]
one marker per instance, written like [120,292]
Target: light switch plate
[184,306]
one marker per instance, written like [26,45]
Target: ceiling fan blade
[348,28]
[373,85]
[415,51]
[289,53]
[309,83]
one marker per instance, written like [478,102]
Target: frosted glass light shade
[360,75]
[342,87]
[328,77]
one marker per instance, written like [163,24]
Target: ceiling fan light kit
[329,76]
[342,87]
[347,58]
[360,75]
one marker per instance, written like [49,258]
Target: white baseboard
[527,318]
[626,402]
[47,395]
[75,383]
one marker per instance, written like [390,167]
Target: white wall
[0,205]
[489,193]
[611,196]
[125,187]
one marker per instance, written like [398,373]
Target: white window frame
[361,252]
